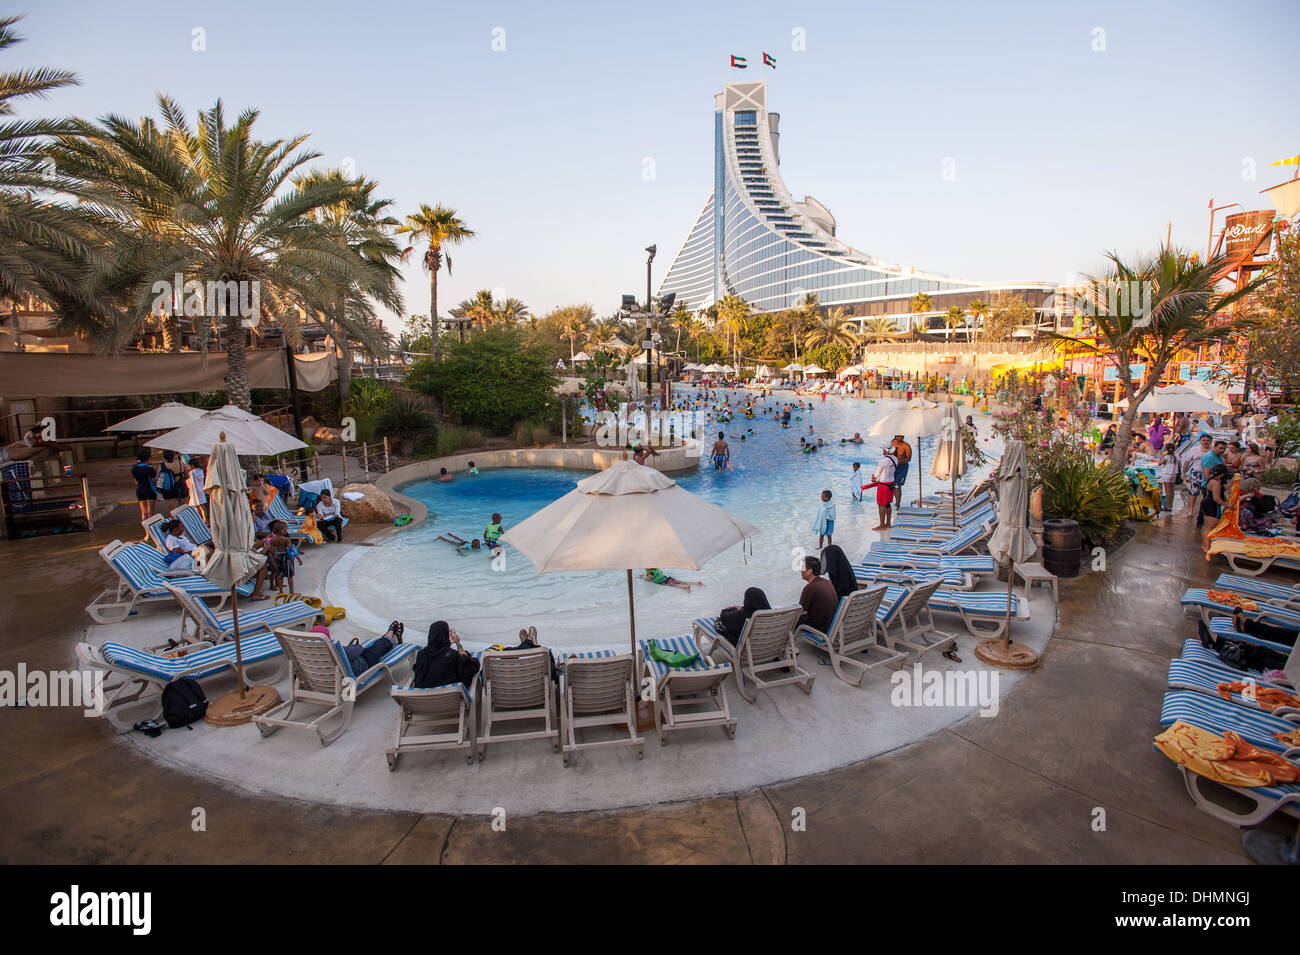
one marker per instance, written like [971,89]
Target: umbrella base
[235,709]
[1008,656]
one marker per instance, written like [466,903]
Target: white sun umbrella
[232,562]
[950,454]
[248,433]
[814,370]
[582,356]
[763,372]
[616,342]
[793,366]
[727,370]
[1012,542]
[627,517]
[166,416]
[851,370]
[1174,398]
[918,417]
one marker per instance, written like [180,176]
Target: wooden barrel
[1062,547]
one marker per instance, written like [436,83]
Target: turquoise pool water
[418,579]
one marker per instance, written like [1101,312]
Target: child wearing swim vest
[492,533]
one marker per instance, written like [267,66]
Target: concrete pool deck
[1073,736]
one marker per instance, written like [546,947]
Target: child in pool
[657,576]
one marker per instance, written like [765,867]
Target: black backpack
[183,702]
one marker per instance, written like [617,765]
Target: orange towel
[1227,537]
[1232,600]
[1268,697]
[1290,737]
[1227,759]
[309,527]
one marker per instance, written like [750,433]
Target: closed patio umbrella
[918,417]
[166,416]
[950,454]
[1011,542]
[627,517]
[231,563]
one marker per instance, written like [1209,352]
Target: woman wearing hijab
[731,621]
[836,566]
[443,661]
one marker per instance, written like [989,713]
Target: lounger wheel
[392,761]
[470,758]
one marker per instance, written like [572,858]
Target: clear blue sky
[1061,152]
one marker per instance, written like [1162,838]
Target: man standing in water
[903,451]
[721,453]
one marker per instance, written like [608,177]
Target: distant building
[754,240]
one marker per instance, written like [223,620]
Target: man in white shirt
[329,516]
[884,480]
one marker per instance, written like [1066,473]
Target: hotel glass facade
[755,241]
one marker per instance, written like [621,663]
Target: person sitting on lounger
[443,661]
[657,576]
[731,620]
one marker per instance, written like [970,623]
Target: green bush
[1279,476]
[1076,489]
[492,381]
[832,356]
[405,419]
[368,399]
[1285,434]
[453,439]
[532,434]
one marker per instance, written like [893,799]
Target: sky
[991,141]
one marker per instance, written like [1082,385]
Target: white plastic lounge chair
[1218,716]
[963,497]
[1279,595]
[977,565]
[515,686]
[765,646]
[1205,678]
[221,627]
[853,635]
[908,625]
[950,578]
[1223,627]
[196,529]
[321,677]
[432,719]
[149,672]
[1254,566]
[965,505]
[983,614]
[279,510]
[690,697]
[140,570]
[939,530]
[1199,598]
[598,691]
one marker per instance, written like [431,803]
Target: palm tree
[439,227]
[1149,311]
[978,310]
[921,303]
[361,222]
[833,329]
[733,315]
[512,312]
[682,321]
[952,318]
[45,241]
[880,329]
[480,310]
[206,202]
[575,323]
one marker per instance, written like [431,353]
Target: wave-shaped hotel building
[754,240]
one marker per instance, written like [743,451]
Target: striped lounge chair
[1205,678]
[940,498]
[939,510]
[514,687]
[689,697]
[221,627]
[149,672]
[1199,598]
[966,539]
[940,529]
[321,677]
[906,623]
[439,718]
[141,570]
[196,529]
[280,511]
[852,636]
[598,690]
[950,578]
[1219,716]
[1222,627]
[976,565]
[766,646]
[1279,595]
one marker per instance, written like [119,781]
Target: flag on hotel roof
[769,60]
[739,62]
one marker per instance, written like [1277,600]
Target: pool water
[418,579]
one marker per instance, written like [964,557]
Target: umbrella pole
[239,656]
[1011,578]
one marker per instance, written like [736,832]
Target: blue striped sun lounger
[949,578]
[141,570]
[953,544]
[1196,652]
[1219,716]
[689,697]
[938,530]
[1222,627]
[976,564]
[983,613]
[220,627]
[944,507]
[942,520]
[195,527]
[280,511]
[1199,598]
[1205,678]
[1259,589]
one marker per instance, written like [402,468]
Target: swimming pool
[416,578]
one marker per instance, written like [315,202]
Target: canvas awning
[40,375]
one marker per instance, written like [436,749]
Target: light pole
[650,367]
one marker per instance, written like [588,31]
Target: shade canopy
[918,417]
[851,370]
[727,370]
[165,417]
[248,433]
[1191,398]
[582,356]
[232,560]
[626,517]
[763,372]
[814,370]
[1012,540]
[793,366]
[616,342]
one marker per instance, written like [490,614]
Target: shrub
[832,356]
[1077,489]
[1285,434]
[532,434]
[368,399]
[406,419]
[1279,476]
[453,438]
[491,381]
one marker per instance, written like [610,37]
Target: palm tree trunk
[171,336]
[237,390]
[433,312]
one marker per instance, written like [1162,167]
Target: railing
[367,454]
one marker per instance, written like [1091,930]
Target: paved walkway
[1026,787]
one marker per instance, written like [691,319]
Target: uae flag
[769,60]
[739,62]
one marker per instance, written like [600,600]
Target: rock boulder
[375,507]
